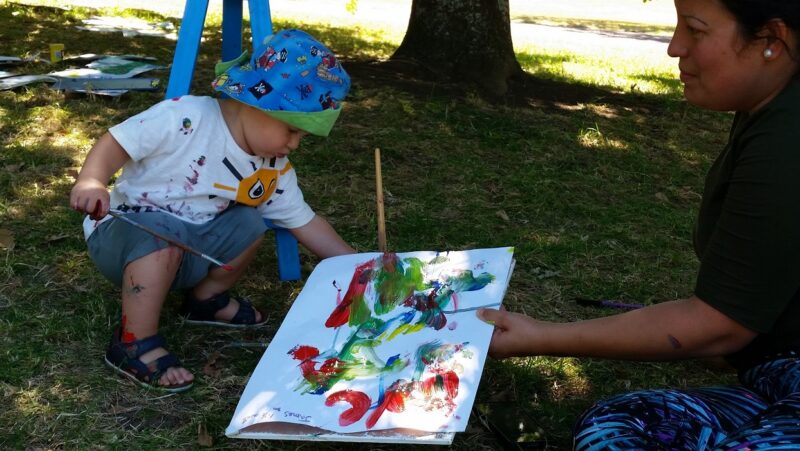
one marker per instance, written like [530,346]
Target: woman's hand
[686,328]
[513,333]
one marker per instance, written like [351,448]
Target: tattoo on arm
[674,342]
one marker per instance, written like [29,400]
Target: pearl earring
[767,53]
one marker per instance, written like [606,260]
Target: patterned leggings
[764,413]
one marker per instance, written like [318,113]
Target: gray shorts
[116,243]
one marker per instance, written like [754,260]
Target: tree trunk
[463,41]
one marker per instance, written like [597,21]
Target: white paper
[16,81]
[108,67]
[414,364]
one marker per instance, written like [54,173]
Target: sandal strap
[135,349]
[246,313]
[125,356]
[158,366]
[204,310]
[197,310]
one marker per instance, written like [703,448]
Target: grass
[598,195]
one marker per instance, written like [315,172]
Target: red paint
[318,377]
[331,366]
[451,384]
[304,352]
[358,400]
[339,316]
[227,267]
[447,382]
[438,321]
[125,336]
[394,401]
[95,214]
[358,285]
[195,176]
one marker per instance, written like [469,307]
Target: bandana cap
[291,77]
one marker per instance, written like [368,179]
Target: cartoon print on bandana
[256,188]
[329,60]
[267,59]
[235,88]
[220,81]
[324,73]
[260,89]
[186,126]
[327,101]
[224,80]
[305,90]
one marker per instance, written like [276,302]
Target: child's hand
[90,197]
[320,238]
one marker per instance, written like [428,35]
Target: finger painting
[380,341]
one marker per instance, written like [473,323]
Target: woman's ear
[778,38]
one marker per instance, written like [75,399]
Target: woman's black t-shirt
[747,234]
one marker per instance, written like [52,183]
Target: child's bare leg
[145,284]
[220,280]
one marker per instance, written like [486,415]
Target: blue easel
[180,80]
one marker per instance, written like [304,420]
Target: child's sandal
[202,312]
[124,359]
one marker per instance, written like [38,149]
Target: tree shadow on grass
[525,91]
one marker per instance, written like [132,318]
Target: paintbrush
[379,201]
[169,240]
[607,303]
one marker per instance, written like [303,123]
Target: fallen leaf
[548,274]
[6,239]
[203,439]
[211,369]
[662,197]
[52,238]
[503,215]
[119,410]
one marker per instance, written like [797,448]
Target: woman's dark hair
[754,15]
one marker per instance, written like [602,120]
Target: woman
[734,55]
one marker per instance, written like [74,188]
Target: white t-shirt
[184,161]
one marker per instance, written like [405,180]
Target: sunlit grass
[648,74]
[597,25]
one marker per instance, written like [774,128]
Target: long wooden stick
[379,199]
[169,240]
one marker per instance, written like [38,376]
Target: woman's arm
[671,330]
[320,238]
